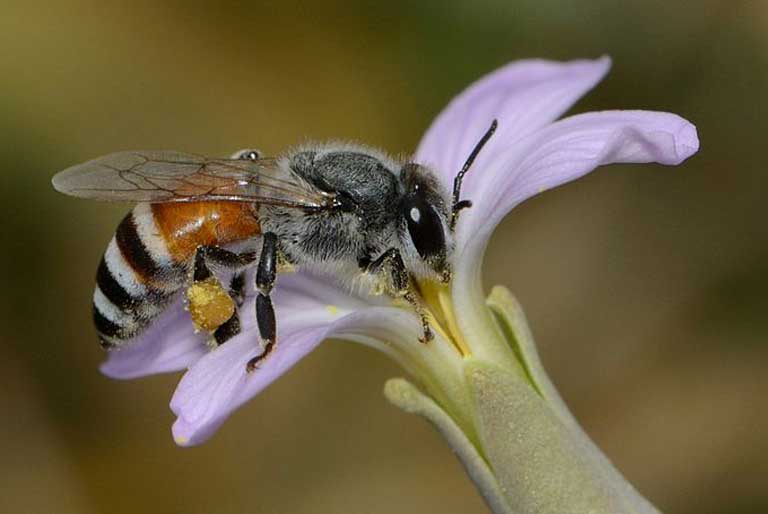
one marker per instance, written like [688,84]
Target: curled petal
[218,384]
[574,146]
[169,344]
[554,155]
[524,96]
[309,310]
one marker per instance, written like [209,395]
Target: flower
[482,347]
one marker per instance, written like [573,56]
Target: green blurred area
[645,286]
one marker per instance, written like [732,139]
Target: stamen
[438,307]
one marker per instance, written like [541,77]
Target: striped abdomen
[149,260]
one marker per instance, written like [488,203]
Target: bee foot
[253,364]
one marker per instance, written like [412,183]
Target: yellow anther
[439,307]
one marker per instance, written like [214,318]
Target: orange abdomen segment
[186,225]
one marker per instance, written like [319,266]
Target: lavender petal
[524,96]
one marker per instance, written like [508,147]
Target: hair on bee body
[372,221]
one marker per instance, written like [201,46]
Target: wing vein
[165,176]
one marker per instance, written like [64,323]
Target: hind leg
[231,327]
[212,308]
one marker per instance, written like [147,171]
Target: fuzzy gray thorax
[375,194]
[336,237]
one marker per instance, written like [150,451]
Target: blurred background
[645,286]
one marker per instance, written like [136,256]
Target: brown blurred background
[645,286]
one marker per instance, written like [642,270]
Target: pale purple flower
[530,153]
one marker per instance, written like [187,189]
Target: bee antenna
[458,204]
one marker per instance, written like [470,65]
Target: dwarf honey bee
[343,209]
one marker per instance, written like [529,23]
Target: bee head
[427,220]
[424,223]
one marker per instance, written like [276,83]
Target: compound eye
[424,227]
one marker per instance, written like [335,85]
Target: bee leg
[227,330]
[400,283]
[237,288]
[211,307]
[216,255]
[265,311]
[200,270]
[231,327]
[391,262]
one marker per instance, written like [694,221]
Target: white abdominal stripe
[123,302]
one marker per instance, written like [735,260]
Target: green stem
[405,395]
[514,435]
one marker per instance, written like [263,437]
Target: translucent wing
[167,176]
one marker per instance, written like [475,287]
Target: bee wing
[167,176]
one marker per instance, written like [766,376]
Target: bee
[343,209]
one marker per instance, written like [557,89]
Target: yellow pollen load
[209,304]
[438,307]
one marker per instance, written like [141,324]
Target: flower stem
[511,430]
[405,395]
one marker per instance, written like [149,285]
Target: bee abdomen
[135,281]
